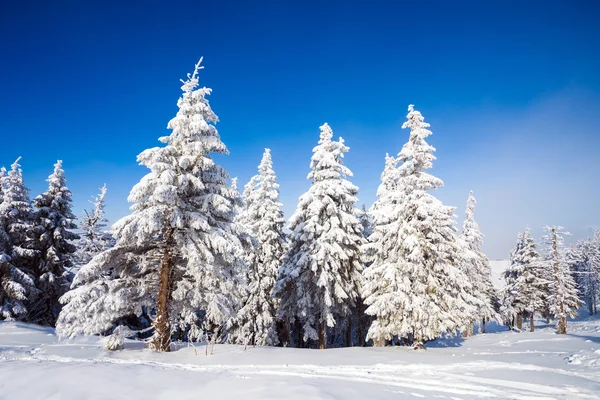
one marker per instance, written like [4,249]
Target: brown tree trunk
[562,325]
[418,344]
[359,323]
[483,325]
[349,333]
[162,325]
[322,335]
[531,326]
[520,321]
[300,336]
[468,331]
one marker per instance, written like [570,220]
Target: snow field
[498,365]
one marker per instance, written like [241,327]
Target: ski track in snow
[421,377]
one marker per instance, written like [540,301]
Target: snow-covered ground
[34,364]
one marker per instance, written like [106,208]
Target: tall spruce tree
[17,216]
[319,280]
[15,285]
[415,286]
[511,309]
[584,263]
[526,289]
[178,255]
[477,266]
[564,298]
[52,270]
[263,216]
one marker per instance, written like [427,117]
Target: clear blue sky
[511,89]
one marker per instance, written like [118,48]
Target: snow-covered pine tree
[17,218]
[16,253]
[52,270]
[477,266]
[511,309]
[531,284]
[383,212]
[363,321]
[526,287]
[415,288]
[263,217]
[178,255]
[584,263]
[94,238]
[14,284]
[319,280]
[564,298]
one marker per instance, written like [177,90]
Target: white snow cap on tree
[414,286]
[320,278]
[184,205]
[263,217]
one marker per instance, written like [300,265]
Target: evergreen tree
[477,267]
[584,262]
[511,309]
[319,280]
[94,238]
[55,251]
[17,217]
[532,285]
[178,255]
[14,284]
[264,219]
[526,289]
[16,245]
[564,298]
[414,288]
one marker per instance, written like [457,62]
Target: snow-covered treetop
[326,161]
[14,189]
[58,196]
[547,238]
[417,155]
[96,219]
[471,233]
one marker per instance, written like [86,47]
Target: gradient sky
[511,89]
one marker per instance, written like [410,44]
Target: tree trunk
[162,335]
[322,335]
[562,325]
[531,326]
[359,324]
[520,321]
[349,333]
[300,335]
[418,344]
[483,325]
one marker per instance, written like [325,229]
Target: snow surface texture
[34,364]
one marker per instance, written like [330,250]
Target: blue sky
[511,89]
